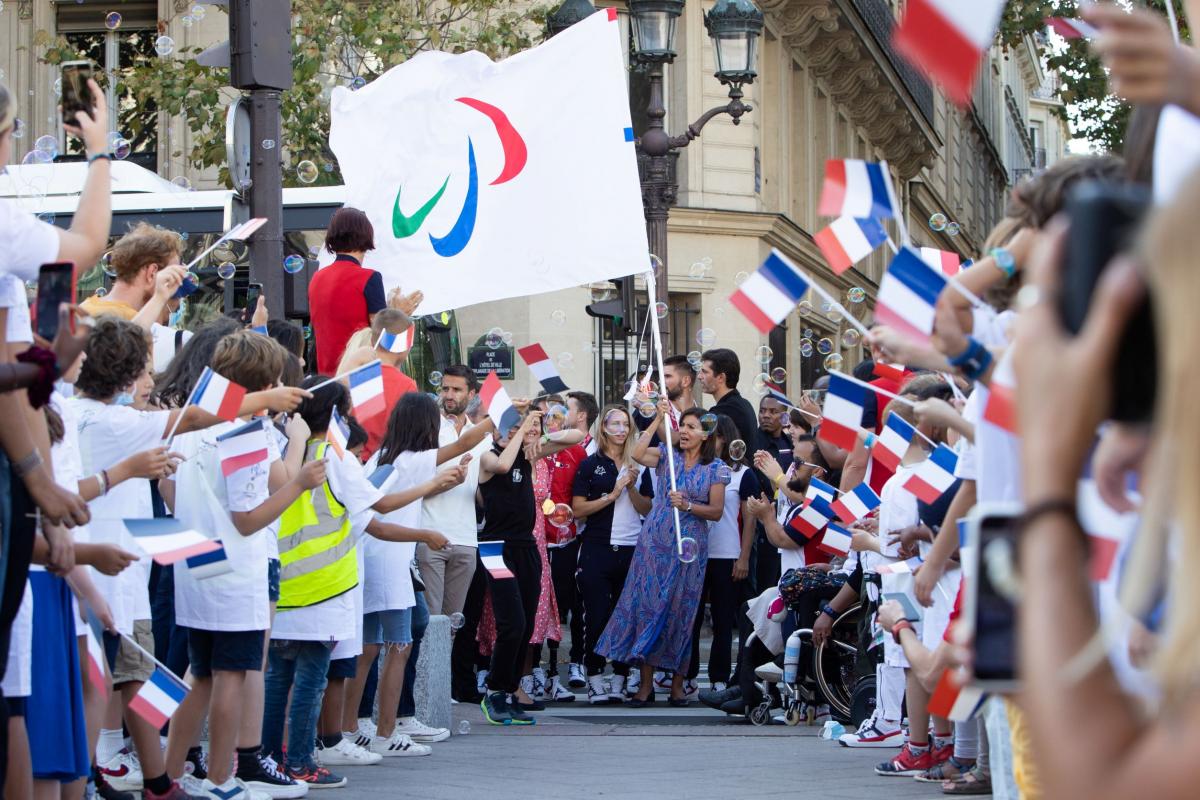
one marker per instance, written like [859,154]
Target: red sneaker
[942,754]
[906,763]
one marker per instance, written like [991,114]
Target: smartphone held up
[76,96]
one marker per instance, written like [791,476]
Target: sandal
[973,782]
[949,770]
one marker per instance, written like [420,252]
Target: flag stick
[337,378]
[1172,18]
[666,426]
[191,396]
[895,201]
[816,287]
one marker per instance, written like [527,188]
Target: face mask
[175,317]
[123,399]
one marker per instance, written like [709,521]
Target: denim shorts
[342,668]
[388,627]
[273,566]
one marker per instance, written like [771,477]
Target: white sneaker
[123,772]
[874,733]
[481,681]
[597,691]
[691,690]
[191,784]
[232,789]
[420,732]
[361,737]
[366,726]
[539,684]
[633,682]
[575,676]
[616,689]
[557,693]
[346,754]
[720,686]
[398,744]
[527,686]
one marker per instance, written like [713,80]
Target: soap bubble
[47,217]
[226,270]
[457,620]
[357,82]
[107,265]
[833,362]
[737,449]
[833,315]
[555,418]
[825,346]
[851,338]
[37,157]
[741,278]
[198,12]
[660,310]
[46,144]
[778,375]
[113,138]
[293,264]
[656,265]
[100,292]
[306,171]
[937,222]
[647,410]
[559,316]
[182,182]
[764,354]
[689,551]
[601,291]
[697,269]
[327,166]
[268,144]
[566,360]
[494,338]
[953,229]
[856,294]
[57,86]
[809,333]
[464,727]
[561,516]
[804,308]
[121,149]
[705,337]
[164,46]
[187,20]
[708,423]
[506,337]
[18,129]
[694,359]
[435,379]
[112,20]
[760,382]
[806,347]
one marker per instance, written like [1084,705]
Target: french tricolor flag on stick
[1001,407]
[366,390]
[848,240]
[543,368]
[492,556]
[835,541]
[943,261]
[843,412]
[209,565]
[821,489]
[97,666]
[495,400]
[168,540]
[217,395]
[954,702]
[946,39]
[243,446]
[907,293]
[900,567]
[397,342]
[934,475]
[894,372]
[159,697]
[338,434]
[858,189]
[856,503]
[1069,28]
[811,519]
[771,293]
[893,441]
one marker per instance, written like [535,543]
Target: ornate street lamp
[654,29]
[734,27]
[567,14]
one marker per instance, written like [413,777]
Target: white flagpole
[337,378]
[666,426]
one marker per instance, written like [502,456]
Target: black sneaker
[715,699]
[495,709]
[196,764]
[516,712]
[262,774]
[105,791]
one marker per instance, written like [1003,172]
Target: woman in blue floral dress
[652,623]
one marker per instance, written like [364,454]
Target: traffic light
[621,309]
[258,51]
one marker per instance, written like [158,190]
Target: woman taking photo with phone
[651,626]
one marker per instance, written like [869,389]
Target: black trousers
[20,528]
[764,567]
[723,596]
[514,603]
[563,565]
[464,653]
[602,571]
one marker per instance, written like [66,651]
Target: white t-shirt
[725,535]
[204,499]
[452,513]
[109,434]
[28,242]
[998,455]
[967,466]
[336,619]
[897,508]
[13,298]
[626,522]
[387,584]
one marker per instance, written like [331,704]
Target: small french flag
[495,400]
[1001,407]
[159,697]
[97,663]
[543,368]
[944,261]
[811,519]
[900,567]
[954,702]
[836,540]
[209,565]
[856,503]
[366,390]
[168,540]
[893,441]
[338,434]
[243,447]
[848,240]
[771,293]
[821,489]
[1069,28]
[397,342]
[218,395]
[893,372]
[841,418]
[858,189]
[946,39]
[492,556]
[934,475]
[907,293]
[775,391]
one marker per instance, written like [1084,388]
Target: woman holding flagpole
[652,623]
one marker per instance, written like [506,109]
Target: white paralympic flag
[487,180]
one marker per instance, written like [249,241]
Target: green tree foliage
[333,44]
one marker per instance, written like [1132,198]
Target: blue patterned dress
[653,620]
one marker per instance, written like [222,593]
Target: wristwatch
[828,609]
[689,508]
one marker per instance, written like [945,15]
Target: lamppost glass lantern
[654,28]
[567,14]
[734,27]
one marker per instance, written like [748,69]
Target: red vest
[338,308]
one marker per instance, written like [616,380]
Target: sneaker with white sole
[398,745]
[527,686]
[557,693]
[420,732]
[691,690]
[261,774]
[874,733]
[481,681]
[597,691]
[539,684]
[192,785]
[232,789]
[346,754]
[633,682]
[719,686]
[662,681]
[122,772]
[317,778]
[576,678]
[616,689]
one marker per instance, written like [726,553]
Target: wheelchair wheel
[794,715]
[835,661]
[761,713]
[862,700]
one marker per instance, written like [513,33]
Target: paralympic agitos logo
[453,243]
